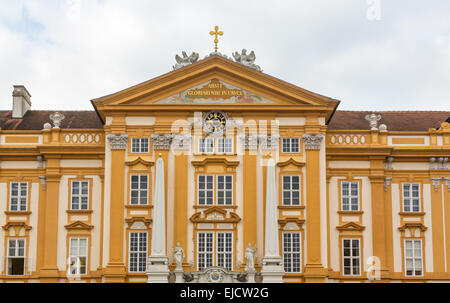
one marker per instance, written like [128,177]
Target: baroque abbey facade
[219,172]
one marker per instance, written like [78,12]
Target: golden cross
[216,33]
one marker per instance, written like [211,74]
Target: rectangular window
[224,190]
[291,190]
[206,145]
[352,257]
[139,145]
[290,145]
[78,256]
[139,190]
[413,257]
[138,252]
[225,250]
[411,197]
[80,195]
[205,190]
[350,196]
[205,250]
[19,196]
[16,257]
[224,145]
[291,252]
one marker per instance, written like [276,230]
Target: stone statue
[242,277]
[246,60]
[373,120]
[185,60]
[57,118]
[178,256]
[188,277]
[249,256]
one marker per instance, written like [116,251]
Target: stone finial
[312,141]
[383,128]
[373,120]
[118,141]
[57,118]
[47,126]
[185,60]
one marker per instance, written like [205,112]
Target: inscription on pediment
[215,91]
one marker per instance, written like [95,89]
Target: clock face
[215,121]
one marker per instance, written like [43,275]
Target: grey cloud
[400,62]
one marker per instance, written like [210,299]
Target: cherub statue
[185,60]
[247,60]
[178,256]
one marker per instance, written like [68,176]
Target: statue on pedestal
[178,257]
[249,256]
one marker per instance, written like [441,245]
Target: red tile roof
[35,120]
[342,120]
[394,120]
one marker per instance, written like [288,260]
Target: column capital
[268,142]
[249,141]
[436,182]
[312,141]
[162,141]
[118,142]
[447,181]
[182,141]
[387,183]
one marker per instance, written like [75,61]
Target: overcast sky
[371,55]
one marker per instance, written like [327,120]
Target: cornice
[412,226]
[350,227]
[290,161]
[215,161]
[139,160]
[78,225]
[202,217]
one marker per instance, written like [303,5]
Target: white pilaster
[157,266]
[272,270]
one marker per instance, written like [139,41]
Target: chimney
[21,101]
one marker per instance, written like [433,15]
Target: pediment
[215,215]
[214,81]
[351,226]
[78,225]
[290,164]
[139,164]
[412,226]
